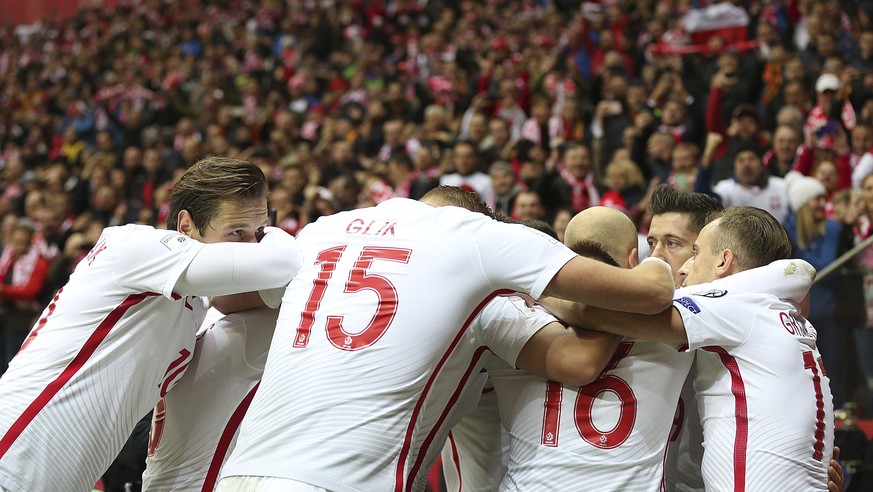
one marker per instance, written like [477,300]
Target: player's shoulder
[135,240]
[511,308]
[712,296]
[130,231]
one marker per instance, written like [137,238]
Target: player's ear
[726,263]
[633,258]
[185,223]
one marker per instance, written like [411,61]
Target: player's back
[369,349]
[195,423]
[763,396]
[104,350]
[612,432]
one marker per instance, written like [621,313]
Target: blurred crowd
[543,107]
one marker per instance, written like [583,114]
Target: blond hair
[629,169]
[808,227]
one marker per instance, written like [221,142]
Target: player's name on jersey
[371,228]
[795,326]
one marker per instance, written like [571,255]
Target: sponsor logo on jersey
[688,304]
[712,294]
[173,241]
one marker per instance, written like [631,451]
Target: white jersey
[476,452]
[612,432]
[773,198]
[77,374]
[194,426]
[685,449]
[763,396]
[477,449]
[373,347]
[786,279]
[108,346]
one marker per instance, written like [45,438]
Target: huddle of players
[613,433]
[365,378]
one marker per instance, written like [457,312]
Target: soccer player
[611,432]
[756,357]
[120,333]
[476,453]
[474,449]
[372,347]
[677,218]
[195,424]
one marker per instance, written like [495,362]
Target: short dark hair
[535,224]
[458,197]
[209,183]
[541,226]
[593,250]
[400,158]
[695,206]
[465,141]
[753,234]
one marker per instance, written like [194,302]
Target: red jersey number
[359,279]
[809,362]
[599,438]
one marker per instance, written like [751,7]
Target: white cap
[802,189]
[827,82]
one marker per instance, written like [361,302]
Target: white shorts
[264,484]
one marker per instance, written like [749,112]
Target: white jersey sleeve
[230,268]
[721,325]
[499,253]
[507,323]
[789,280]
[147,251]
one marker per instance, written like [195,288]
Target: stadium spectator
[751,184]
[23,275]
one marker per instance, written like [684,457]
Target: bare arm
[235,303]
[646,289]
[666,326]
[569,356]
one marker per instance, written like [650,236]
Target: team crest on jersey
[688,304]
[173,241]
[712,294]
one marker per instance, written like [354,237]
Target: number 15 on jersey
[359,279]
